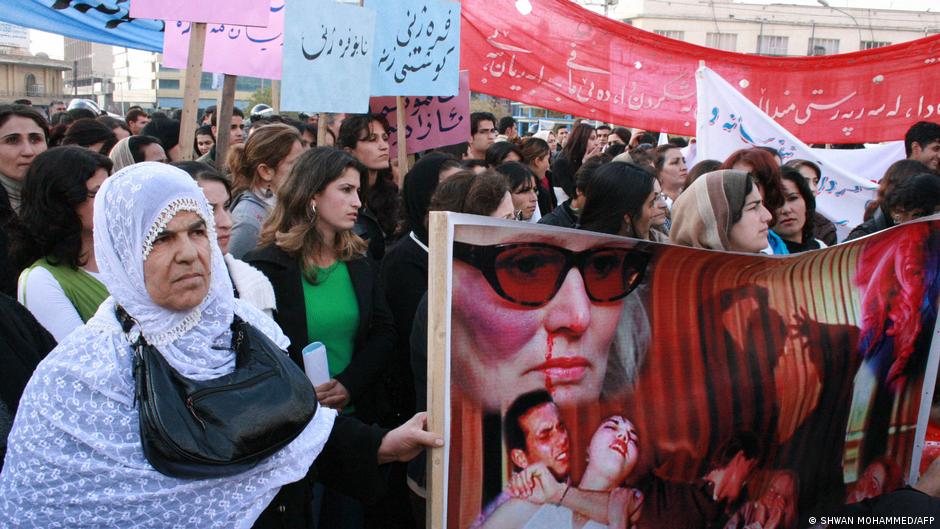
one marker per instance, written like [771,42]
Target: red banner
[563,57]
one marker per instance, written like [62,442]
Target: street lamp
[825,3]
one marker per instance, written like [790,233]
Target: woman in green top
[52,238]
[327,290]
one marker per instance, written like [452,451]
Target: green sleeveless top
[84,291]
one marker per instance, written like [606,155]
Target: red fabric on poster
[563,57]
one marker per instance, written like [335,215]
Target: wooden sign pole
[438,239]
[402,142]
[321,130]
[223,120]
[276,95]
[192,80]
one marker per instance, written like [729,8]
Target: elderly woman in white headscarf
[75,457]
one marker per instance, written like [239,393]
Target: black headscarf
[420,183]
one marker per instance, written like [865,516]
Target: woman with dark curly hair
[365,136]
[52,238]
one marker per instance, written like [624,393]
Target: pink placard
[431,121]
[242,12]
[235,50]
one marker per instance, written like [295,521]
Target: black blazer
[375,337]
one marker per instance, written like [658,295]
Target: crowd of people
[315,243]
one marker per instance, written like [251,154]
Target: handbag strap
[127,323]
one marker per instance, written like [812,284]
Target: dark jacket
[375,337]
[562,216]
[563,171]
[824,229]
[23,344]
[370,230]
[8,272]
[405,274]
[880,220]
[547,200]
[348,463]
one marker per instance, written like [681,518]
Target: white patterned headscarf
[74,457]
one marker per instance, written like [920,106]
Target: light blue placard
[417,48]
[328,49]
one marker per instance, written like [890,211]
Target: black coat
[23,344]
[348,462]
[405,274]
[375,337]
[562,216]
[880,220]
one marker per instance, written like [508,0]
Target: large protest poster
[327,62]
[558,55]
[726,389]
[417,47]
[431,121]
[232,49]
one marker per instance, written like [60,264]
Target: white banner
[727,121]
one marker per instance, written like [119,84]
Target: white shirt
[38,291]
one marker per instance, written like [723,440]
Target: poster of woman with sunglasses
[751,386]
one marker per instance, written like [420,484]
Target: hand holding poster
[719,386]
[328,51]
[431,121]
[232,49]
[417,47]
[243,12]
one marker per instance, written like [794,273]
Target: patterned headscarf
[702,215]
[75,456]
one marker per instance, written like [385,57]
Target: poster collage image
[598,381]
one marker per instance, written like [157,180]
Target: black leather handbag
[199,429]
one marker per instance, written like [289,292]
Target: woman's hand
[408,440]
[332,394]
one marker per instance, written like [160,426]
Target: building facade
[776,29]
[92,71]
[34,77]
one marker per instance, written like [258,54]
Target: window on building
[169,84]
[722,41]
[772,45]
[33,89]
[872,44]
[678,35]
[823,47]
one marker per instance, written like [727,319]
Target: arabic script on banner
[244,12]
[603,69]
[327,57]
[232,49]
[431,121]
[417,47]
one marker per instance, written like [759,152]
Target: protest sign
[727,122]
[604,69]
[232,49]
[783,384]
[430,121]
[243,12]
[112,25]
[328,51]
[417,47]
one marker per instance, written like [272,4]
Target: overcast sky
[52,44]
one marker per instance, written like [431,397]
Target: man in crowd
[55,107]
[236,133]
[482,134]
[136,120]
[603,133]
[922,143]
[507,129]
